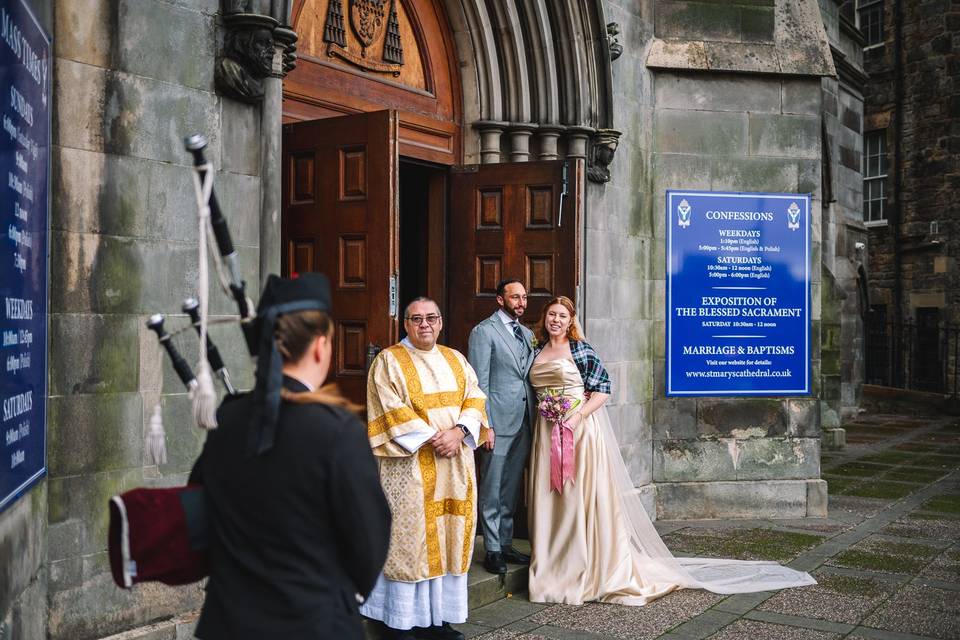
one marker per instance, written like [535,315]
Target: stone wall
[844,265]
[619,250]
[755,130]
[930,138]
[131,79]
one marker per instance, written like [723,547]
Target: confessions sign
[738,294]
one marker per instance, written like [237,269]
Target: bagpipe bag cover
[158,535]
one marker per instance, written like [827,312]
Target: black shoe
[513,556]
[389,633]
[494,563]
[442,632]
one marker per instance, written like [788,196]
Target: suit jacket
[502,366]
[296,531]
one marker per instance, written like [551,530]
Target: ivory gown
[595,542]
[581,552]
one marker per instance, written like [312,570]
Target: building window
[870,16]
[874,176]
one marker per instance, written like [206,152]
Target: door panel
[340,218]
[506,223]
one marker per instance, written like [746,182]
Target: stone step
[486,588]
[179,628]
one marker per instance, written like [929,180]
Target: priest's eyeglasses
[418,320]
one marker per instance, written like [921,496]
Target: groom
[501,352]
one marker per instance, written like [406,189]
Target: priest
[426,415]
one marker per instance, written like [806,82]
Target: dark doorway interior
[421,188]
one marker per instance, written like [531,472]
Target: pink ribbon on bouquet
[562,460]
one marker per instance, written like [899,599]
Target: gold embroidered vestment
[432,498]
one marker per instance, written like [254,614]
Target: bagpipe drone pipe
[161,534]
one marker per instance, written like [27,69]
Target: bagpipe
[161,534]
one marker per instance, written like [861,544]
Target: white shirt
[506,319]
[309,386]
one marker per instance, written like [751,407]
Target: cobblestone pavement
[887,559]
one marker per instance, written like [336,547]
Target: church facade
[422,147]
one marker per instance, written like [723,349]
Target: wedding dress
[595,542]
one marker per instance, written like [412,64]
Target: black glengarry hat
[308,292]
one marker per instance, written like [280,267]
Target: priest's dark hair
[502,285]
[406,309]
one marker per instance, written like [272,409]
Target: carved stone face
[253,49]
[605,154]
[261,51]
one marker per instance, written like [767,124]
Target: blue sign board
[25,82]
[738,294]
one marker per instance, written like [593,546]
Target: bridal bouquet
[554,406]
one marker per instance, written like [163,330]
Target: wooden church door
[340,218]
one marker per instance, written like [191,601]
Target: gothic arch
[532,68]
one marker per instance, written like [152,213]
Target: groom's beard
[512,312]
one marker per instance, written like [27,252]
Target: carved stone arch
[539,67]
[543,61]
[478,58]
[515,68]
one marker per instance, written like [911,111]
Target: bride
[591,537]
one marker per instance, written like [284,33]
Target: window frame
[879,7]
[880,135]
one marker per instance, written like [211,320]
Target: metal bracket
[393,296]
[563,194]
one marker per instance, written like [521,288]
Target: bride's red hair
[573,332]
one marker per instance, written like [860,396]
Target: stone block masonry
[131,79]
[737,457]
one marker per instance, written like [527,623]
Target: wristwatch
[466,431]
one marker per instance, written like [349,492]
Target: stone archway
[533,71]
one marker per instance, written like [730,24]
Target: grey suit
[502,364]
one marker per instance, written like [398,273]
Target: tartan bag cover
[158,535]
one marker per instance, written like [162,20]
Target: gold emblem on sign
[369,20]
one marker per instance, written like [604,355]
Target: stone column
[520,133]
[271,153]
[547,136]
[490,132]
[577,139]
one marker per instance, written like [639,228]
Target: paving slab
[886,556]
[754,629]
[824,626]
[758,543]
[945,567]
[919,525]
[835,597]
[920,610]
[504,612]
[628,623]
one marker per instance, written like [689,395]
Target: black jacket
[296,531]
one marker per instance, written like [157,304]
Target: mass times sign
[738,294]
[24,170]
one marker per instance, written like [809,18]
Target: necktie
[517,333]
